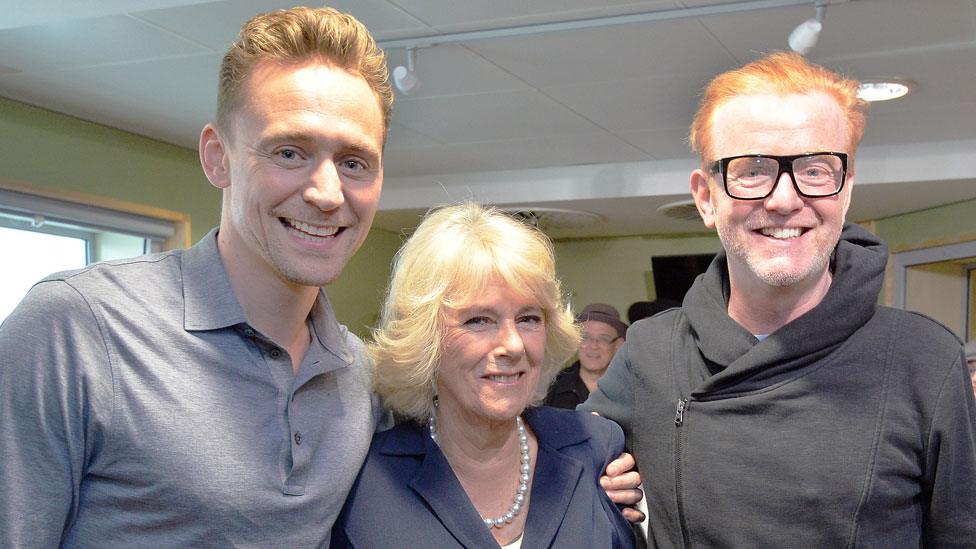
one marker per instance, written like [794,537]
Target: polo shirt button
[249,332]
[275,353]
[298,439]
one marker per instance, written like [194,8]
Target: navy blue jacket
[408,496]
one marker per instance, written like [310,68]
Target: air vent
[682,209]
[553,219]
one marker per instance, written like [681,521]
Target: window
[41,234]
[939,281]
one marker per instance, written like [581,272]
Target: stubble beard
[777,276]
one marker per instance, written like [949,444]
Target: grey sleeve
[950,465]
[614,395]
[55,388]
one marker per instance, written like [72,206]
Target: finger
[623,463]
[632,515]
[625,481]
[625,497]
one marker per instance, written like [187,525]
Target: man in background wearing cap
[603,334]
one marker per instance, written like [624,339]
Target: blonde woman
[472,333]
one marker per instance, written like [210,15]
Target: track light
[804,36]
[405,78]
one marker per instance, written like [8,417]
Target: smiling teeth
[503,379]
[313,230]
[781,233]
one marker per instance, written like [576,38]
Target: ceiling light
[405,78]
[883,91]
[804,36]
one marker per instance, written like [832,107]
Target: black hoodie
[852,426]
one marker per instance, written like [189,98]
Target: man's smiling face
[303,156]
[784,239]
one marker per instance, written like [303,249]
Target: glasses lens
[599,341]
[751,177]
[818,175]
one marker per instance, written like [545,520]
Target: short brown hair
[780,73]
[300,34]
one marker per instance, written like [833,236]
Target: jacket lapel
[556,478]
[436,484]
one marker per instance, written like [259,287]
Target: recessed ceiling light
[883,91]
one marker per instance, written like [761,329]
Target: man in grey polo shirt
[208,397]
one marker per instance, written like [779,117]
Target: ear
[702,194]
[213,157]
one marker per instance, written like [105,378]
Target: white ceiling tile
[661,144]
[86,42]
[401,137]
[216,24]
[168,99]
[18,14]
[453,70]
[454,15]
[926,123]
[425,161]
[629,105]
[649,50]
[540,152]
[488,117]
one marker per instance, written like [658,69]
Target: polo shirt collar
[209,302]
[327,329]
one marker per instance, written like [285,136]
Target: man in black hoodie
[781,406]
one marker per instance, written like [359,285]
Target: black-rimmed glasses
[754,176]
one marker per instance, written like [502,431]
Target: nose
[324,190]
[510,339]
[784,198]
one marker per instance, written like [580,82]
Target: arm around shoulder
[614,395]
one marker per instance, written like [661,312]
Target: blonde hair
[455,253]
[780,73]
[301,34]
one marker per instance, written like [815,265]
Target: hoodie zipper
[679,418]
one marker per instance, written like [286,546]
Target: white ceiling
[593,120]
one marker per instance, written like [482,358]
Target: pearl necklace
[524,468]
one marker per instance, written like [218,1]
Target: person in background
[643,309]
[472,331]
[603,333]
[781,405]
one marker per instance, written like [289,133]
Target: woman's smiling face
[492,356]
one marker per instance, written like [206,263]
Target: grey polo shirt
[138,408]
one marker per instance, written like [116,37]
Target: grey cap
[607,314]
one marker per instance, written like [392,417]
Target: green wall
[358,293]
[935,225]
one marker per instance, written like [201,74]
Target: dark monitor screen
[673,274]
